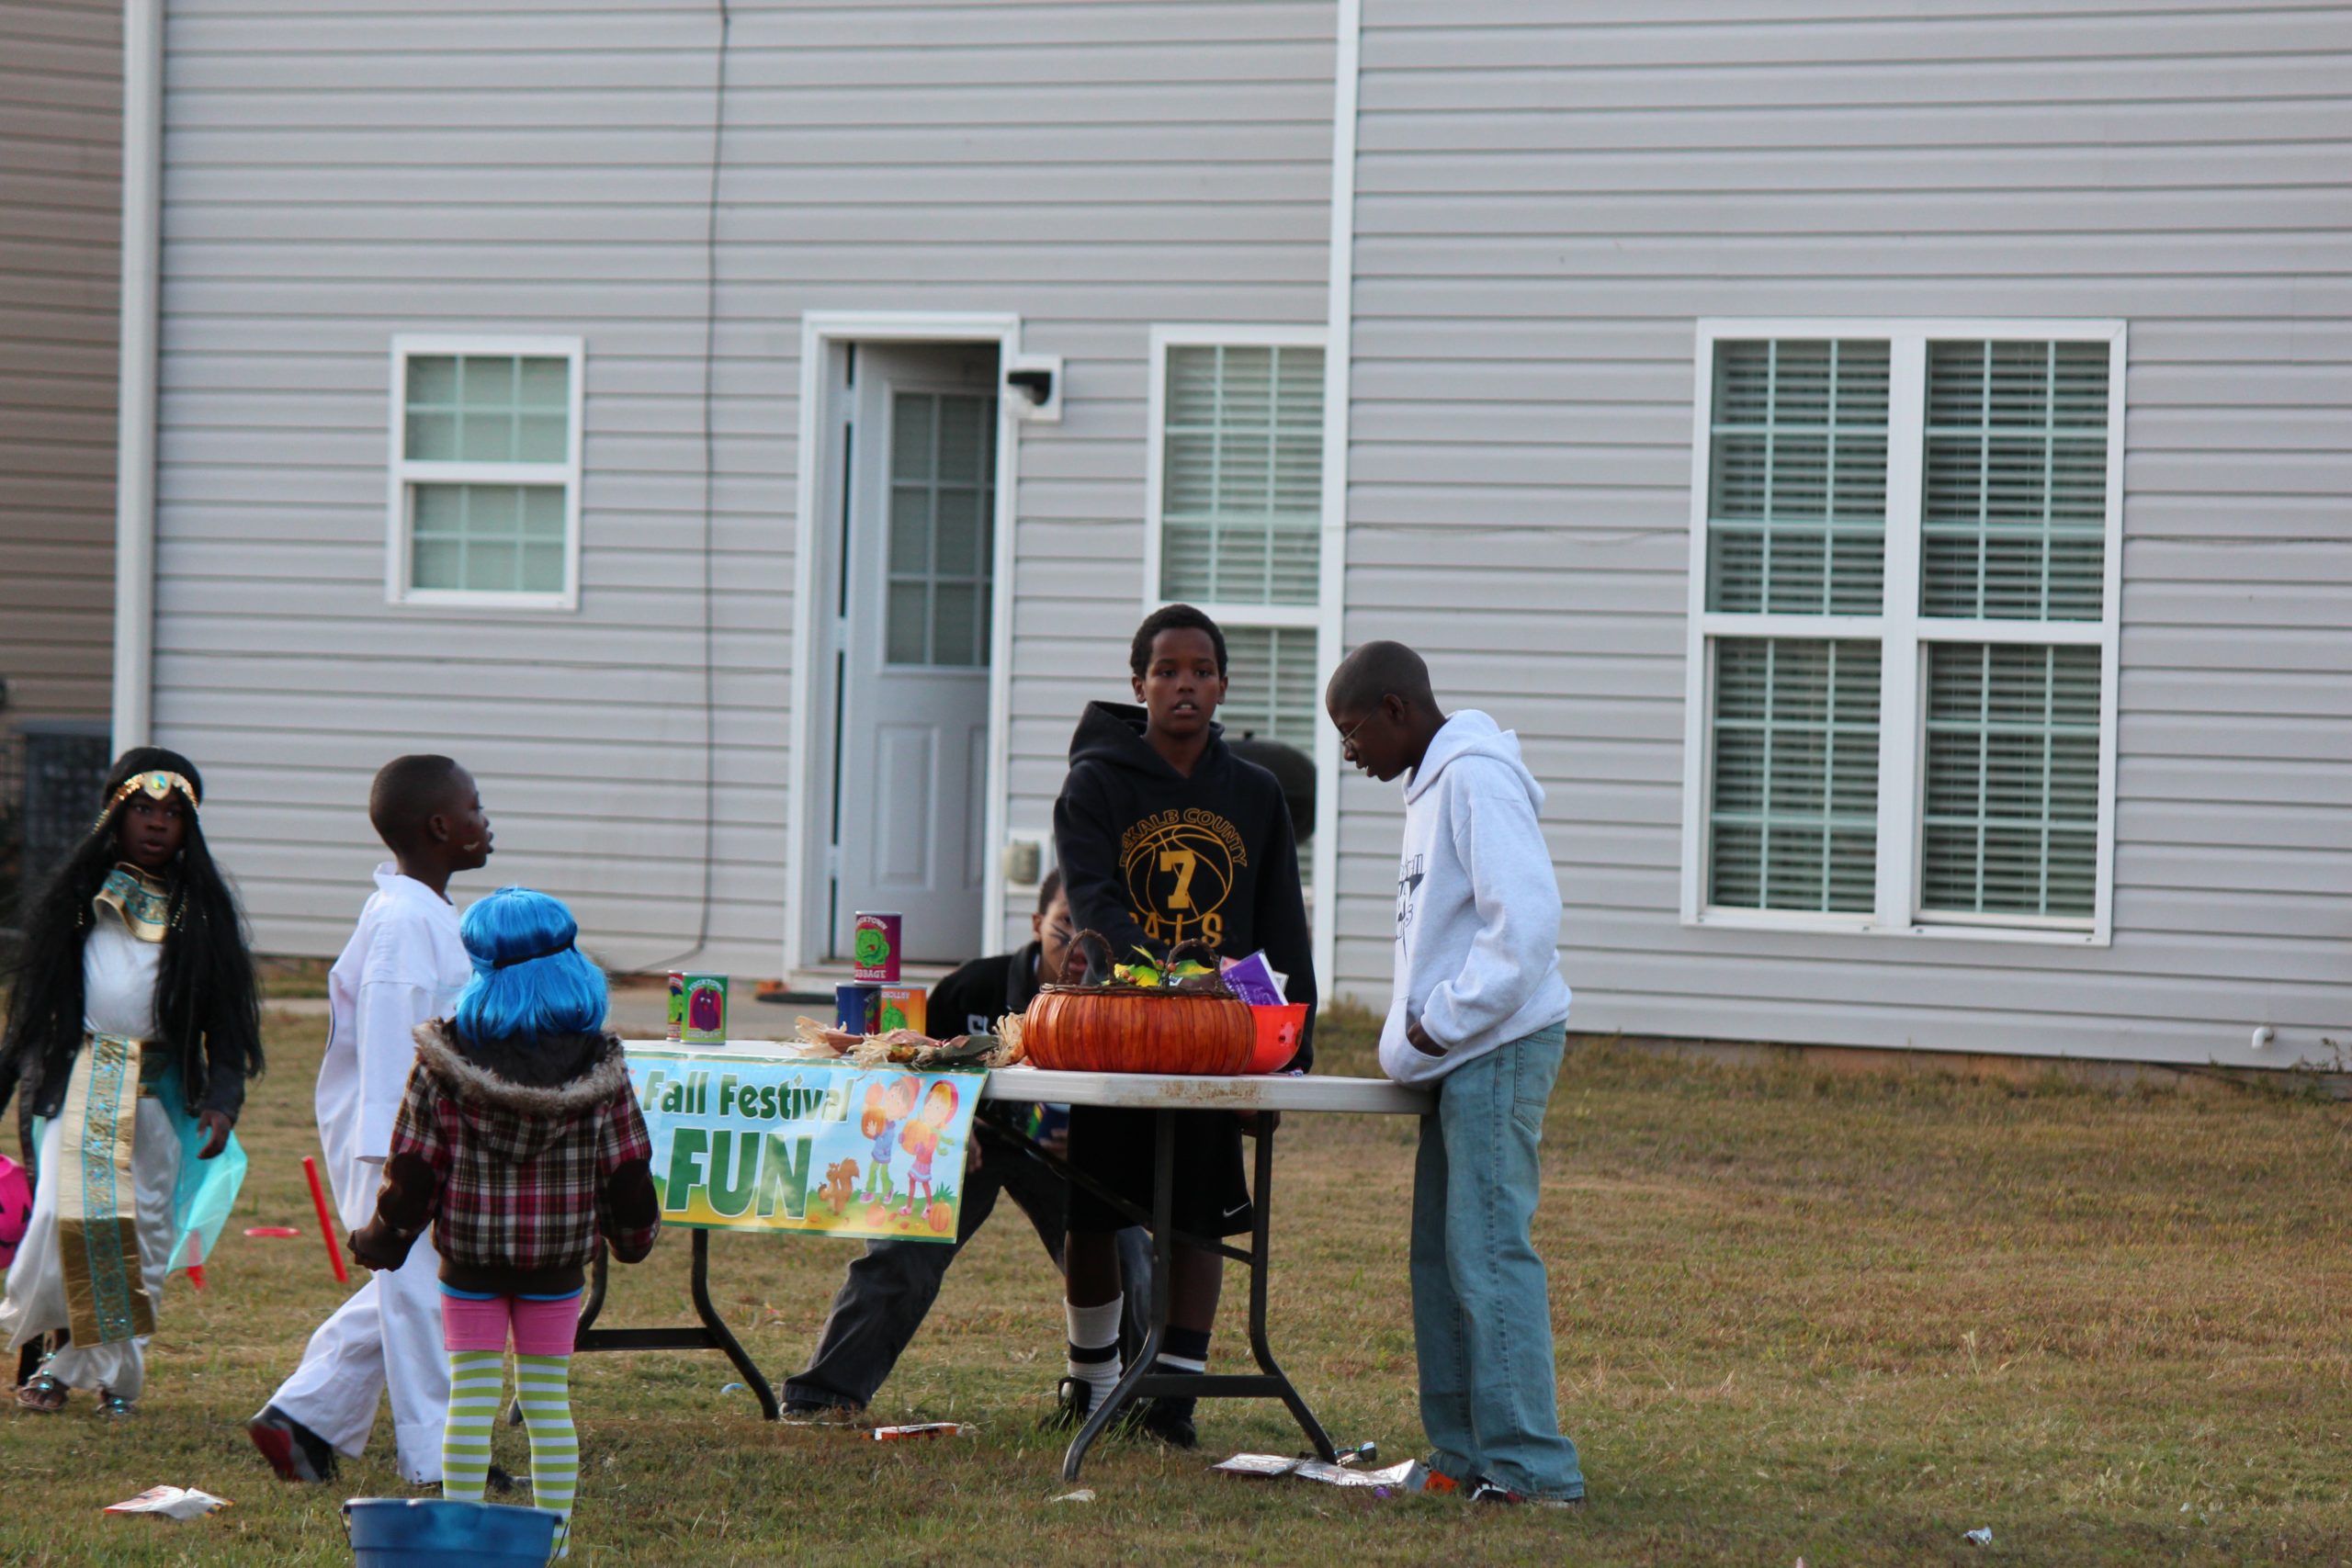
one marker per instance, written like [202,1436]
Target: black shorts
[1116,1146]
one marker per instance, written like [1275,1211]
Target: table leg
[1163,1266]
[1257,1268]
[722,1336]
[710,1332]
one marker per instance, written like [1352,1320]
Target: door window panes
[942,521]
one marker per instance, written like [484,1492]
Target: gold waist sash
[97,1208]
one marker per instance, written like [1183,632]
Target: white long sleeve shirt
[402,966]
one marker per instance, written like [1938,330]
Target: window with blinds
[2013,517]
[1967,673]
[486,469]
[1270,685]
[1796,513]
[1795,803]
[1241,474]
[2010,824]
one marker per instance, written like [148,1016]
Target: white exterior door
[912,766]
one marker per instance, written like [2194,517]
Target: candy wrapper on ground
[171,1502]
[1409,1476]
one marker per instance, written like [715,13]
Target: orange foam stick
[326,1225]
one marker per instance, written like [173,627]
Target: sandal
[41,1392]
[112,1406]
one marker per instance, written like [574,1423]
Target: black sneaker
[1168,1420]
[1494,1491]
[294,1451]
[819,1412]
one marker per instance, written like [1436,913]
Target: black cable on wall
[709,497]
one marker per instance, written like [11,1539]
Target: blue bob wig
[530,980]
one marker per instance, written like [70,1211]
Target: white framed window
[1906,561]
[1233,511]
[484,507]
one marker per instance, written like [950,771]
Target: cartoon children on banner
[920,1140]
[886,1105]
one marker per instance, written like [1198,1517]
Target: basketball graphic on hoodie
[1180,869]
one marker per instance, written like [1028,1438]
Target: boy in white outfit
[404,965]
[1480,1016]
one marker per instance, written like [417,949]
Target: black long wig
[207,1006]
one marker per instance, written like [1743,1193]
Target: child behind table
[519,1136]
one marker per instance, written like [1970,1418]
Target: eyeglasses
[1348,736]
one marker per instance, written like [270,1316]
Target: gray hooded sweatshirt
[1477,906]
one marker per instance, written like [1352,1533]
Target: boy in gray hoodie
[1480,1016]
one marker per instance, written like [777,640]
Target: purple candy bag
[1254,981]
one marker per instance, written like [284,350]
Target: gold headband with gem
[158,784]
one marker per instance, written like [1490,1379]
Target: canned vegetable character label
[875,944]
[705,1009]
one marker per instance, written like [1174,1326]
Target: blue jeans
[1482,1314]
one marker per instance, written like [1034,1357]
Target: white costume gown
[118,998]
[404,965]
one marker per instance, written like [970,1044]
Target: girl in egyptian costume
[132,1025]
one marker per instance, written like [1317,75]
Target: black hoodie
[1150,858]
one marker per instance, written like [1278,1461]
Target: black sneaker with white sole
[1494,1491]
[294,1451]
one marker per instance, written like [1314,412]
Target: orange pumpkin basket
[1199,1030]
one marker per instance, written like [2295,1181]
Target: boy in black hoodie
[1165,836]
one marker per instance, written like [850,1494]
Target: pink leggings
[541,1328]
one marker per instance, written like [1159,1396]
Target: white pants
[36,1290]
[386,1337]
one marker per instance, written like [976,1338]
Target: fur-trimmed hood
[553,1078]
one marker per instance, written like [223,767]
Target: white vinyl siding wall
[1547,203]
[336,177]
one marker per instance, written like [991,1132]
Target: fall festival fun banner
[814,1147]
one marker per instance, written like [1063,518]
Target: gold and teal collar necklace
[141,901]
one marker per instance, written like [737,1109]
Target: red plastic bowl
[1278,1029]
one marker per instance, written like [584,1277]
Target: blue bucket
[429,1532]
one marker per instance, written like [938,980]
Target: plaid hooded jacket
[519,1154]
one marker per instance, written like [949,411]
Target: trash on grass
[734,1388]
[1083,1495]
[1983,1536]
[1362,1453]
[918,1429]
[172,1502]
[272,1229]
[1409,1476]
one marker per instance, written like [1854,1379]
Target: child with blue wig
[519,1139]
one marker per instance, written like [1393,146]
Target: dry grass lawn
[1835,1317]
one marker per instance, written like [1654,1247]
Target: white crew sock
[1094,1346]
